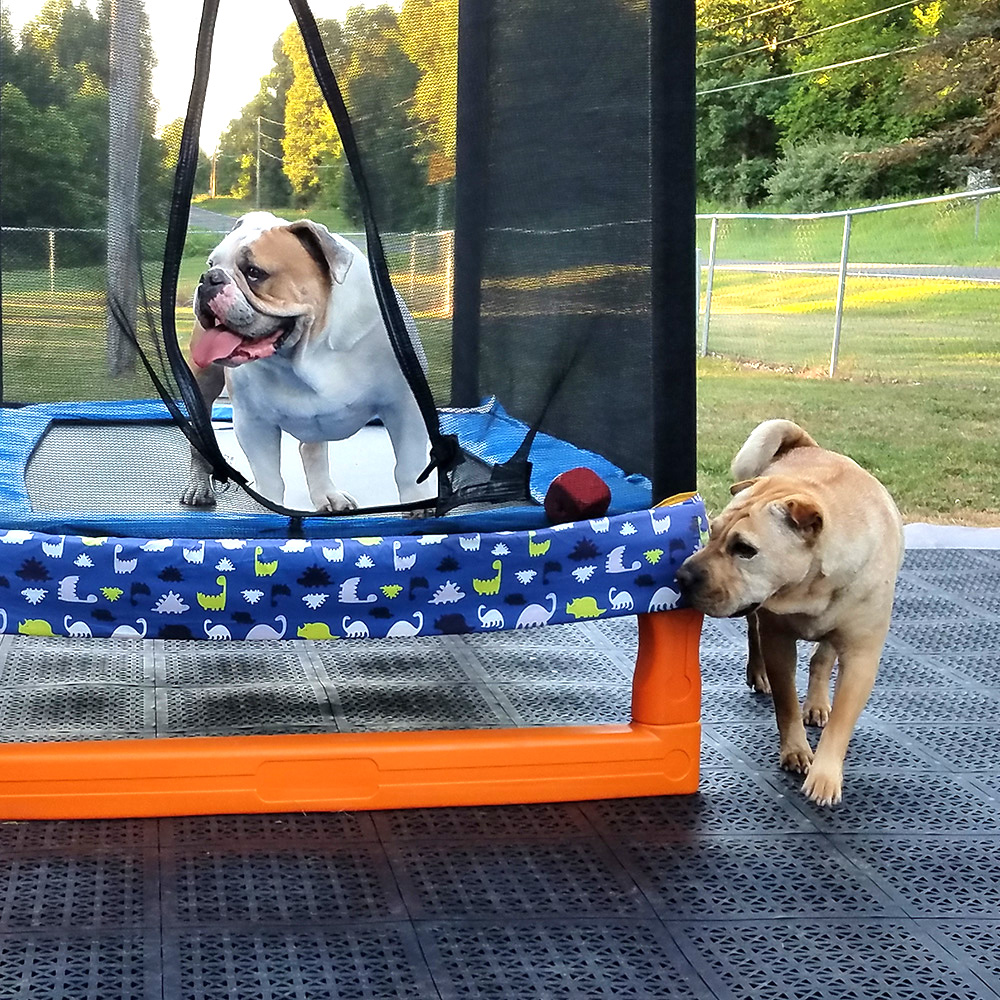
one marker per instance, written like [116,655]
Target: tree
[380,84]
[312,146]
[428,31]
[737,135]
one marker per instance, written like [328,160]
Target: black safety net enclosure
[483,212]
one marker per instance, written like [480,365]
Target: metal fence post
[708,285]
[841,282]
[52,260]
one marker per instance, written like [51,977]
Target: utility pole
[123,183]
[257,200]
[211,183]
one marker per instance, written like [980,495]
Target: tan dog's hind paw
[797,758]
[816,713]
[757,680]
[823,787]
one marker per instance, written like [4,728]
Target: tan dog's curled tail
[766,442]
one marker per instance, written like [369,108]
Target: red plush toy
[576,494]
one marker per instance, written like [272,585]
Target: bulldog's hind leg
[411,445]
[324,495]
[816,708]
[778,648]
[261,443]
[200,491]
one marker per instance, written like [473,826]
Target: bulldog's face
[765,543]
[267,286]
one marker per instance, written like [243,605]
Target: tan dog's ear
[318,240]
[740,487]
[805,515]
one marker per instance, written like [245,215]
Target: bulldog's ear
[804,514]
[740,487]
[318,240]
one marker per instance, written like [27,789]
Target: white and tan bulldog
[808,548]
[287,319]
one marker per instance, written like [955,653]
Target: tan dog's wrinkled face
[267,285]
[763,544]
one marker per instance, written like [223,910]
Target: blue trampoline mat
[488,432]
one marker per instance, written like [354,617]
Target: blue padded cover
[366,586]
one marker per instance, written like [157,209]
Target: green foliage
[924,110]
[54,144]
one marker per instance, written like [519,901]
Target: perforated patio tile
[856,960]
[760,876]
[35,661]
[958,746]
[933,876]
[375,662]
[272,708]
[949,636]
[901,706]
[570,878]
[362,707]
[294,886]
[900,802]
[546,704]
[205,664]
[96,890]
[981,669]
[75,711]
[550,665]
[870,749]
[378,962]
[728,801]
[506,822]
[69,836]
[572,960]
[976,941]
[87,966]
[938,560]
[264,831]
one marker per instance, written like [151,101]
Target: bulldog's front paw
[199,492]
[333,501]
[824,785]
[796,757]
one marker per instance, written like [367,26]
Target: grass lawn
[941,233]
[934,445]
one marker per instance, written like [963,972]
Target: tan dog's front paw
[824,787]
[816,713]
[797,758]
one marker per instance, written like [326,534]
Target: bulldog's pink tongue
[210,345]
[218,343]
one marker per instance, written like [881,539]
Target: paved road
[943,272]
[214,222]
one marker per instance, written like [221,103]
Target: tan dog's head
[268,285]
[766,542]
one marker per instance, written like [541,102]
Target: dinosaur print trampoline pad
[407,585]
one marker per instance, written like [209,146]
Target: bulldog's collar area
[748,609]
[220,345]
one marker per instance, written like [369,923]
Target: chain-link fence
[56,339]
[893,292]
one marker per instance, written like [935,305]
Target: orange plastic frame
[656,754]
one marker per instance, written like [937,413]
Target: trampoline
[551,279]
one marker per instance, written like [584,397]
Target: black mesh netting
[536,223]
